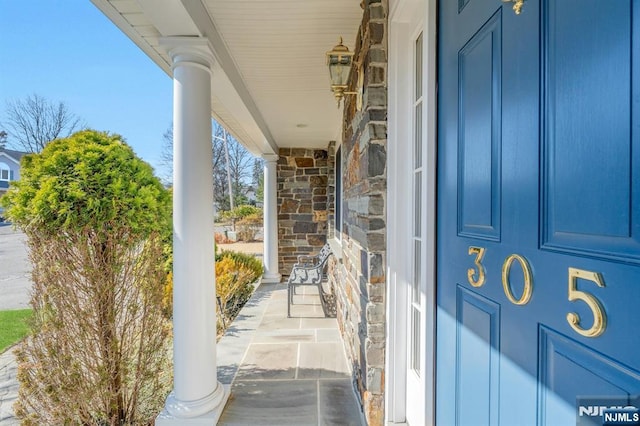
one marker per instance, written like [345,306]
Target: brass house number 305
[477,277]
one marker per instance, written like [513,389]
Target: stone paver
[264,361]
[272,403]
[336,399]
[322,360]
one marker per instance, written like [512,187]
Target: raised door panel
[590,151]
[479,105]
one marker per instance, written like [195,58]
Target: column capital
[270,157]
[189,50]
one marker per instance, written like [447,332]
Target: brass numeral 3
[476,277]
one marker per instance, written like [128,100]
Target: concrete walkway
[15,280]
[255,248]
[8,388]
[286,371]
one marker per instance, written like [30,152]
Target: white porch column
[270,209]
[197,396]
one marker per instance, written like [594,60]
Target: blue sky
[67,50]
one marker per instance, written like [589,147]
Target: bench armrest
[305,259]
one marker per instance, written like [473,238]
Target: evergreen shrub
[95,217]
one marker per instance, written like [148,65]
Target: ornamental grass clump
[236,274]
[95,218]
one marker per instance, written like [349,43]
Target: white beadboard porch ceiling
[270,85]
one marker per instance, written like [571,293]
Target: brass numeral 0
[599,315]
[480,272]
[528,280]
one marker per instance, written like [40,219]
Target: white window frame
[402,27]
[5,167]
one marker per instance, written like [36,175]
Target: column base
[206,411]
[271,278]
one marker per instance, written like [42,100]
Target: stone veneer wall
[302,204]
[359,279]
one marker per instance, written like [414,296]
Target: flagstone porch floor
[286,371]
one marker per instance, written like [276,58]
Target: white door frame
[405,17]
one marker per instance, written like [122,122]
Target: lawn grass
[13,327]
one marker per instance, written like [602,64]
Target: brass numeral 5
[599,315]
[476,277]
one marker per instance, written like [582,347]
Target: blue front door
[538,227]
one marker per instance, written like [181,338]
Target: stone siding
[359,280]
[302,204]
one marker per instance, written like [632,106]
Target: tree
[166,155]
[94,215]
[257,171]
[260,190]
[3,139]
[35,121]
[240,162]
[258,178]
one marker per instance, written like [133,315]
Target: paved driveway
[15,283]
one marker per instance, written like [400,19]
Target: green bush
[249,226]
[235,275]
[91,179]
[248,261]
[95,217]
[240,212]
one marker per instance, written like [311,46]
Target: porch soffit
[270,76]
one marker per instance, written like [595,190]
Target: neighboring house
[250,192]
[483,203]
[9,168]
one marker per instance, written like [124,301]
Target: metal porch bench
[309,270]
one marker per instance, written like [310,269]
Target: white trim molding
[8,157]
[407,19]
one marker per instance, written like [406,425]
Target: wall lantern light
[339,60]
